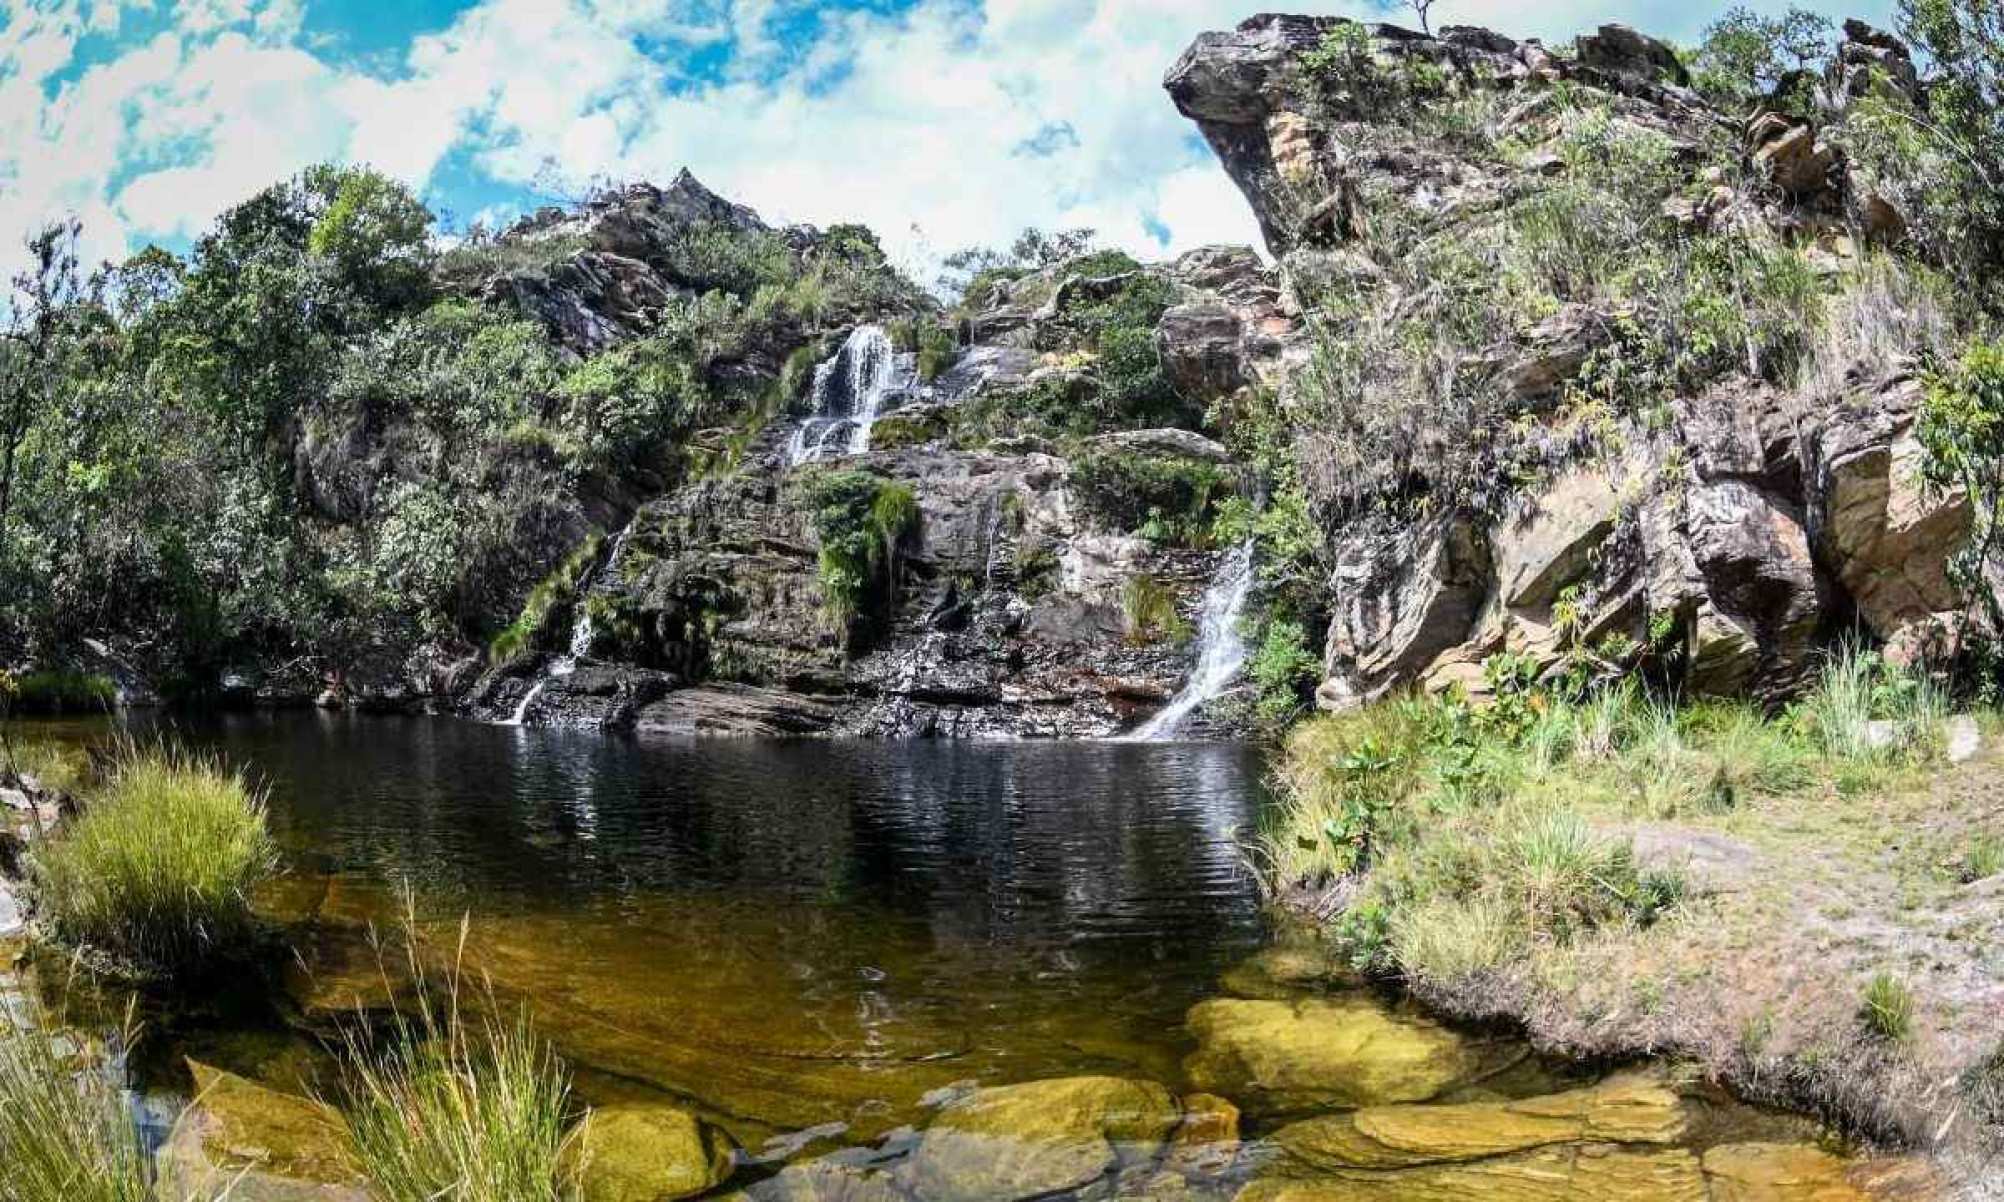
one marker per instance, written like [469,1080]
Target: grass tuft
[1888,1009]
[448,1107]
[66,1134]
[158,871]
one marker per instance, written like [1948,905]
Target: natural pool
[822,947]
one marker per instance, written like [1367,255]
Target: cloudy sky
[941,123]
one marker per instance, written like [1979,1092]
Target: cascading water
[849,393]
[582,633]
[1221,652]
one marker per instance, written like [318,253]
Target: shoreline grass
[66,1134]
[1462,838]
[157,872]
[442,1106]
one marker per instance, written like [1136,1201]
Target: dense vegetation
[311,440]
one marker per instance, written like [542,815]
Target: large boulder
[1200,348]
[1279,1057]
[1402,595]
[637,1152]
[1037,1138]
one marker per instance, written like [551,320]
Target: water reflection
[791,933]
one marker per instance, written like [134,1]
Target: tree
[1961,428]
[1746,56]
[31,376]
[374,233]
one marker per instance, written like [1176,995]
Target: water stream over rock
[1221,648]
[849,393]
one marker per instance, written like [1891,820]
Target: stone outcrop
[244,1140]
[647,1153]
[1726,544]
[1279,1057]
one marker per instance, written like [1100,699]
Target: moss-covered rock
[1039,1137]
[259,1144]
[1278,1057]
[645,1153]
[1635,1108]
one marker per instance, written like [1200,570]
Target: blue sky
[941,123]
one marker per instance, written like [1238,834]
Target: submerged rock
[1595,1173]
[1281,1057]
[1636,1108]
[644,1153]
[1039,1137]
[1778,1173]
[256,1144]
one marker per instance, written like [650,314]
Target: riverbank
[1812,927]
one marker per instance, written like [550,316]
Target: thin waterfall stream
[1221,650]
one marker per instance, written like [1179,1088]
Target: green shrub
[937,349]
[1150,609]
[158,870]
[62,691]
[1961,428]
[862,523]
[1888,1008]
[1168,496]
[1282,670]
[66,1131]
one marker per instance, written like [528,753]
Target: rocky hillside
[1588,375]
[1560,367]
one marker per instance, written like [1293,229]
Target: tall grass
[1460,832]
[66,1134]
[448,1108]
[158,870]
[62,691]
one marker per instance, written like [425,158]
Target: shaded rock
[1199,345]
[1791,154]
[1763,598]
[1624,52]
[256,1144]
[1630,1109]
[1065,618]
[1280,1057]
[1586,1174]
[644,1153]
[1402,596]
[1023,1141]
[735,709]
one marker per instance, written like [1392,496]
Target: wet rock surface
[1278,1057]
[1029,1140]
[641,1153]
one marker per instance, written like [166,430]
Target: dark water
[788,933]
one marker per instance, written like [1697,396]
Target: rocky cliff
[1586,370]
[1555,368]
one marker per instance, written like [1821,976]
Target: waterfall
[521,713]
[849,393]
[1221,653]
[582,632]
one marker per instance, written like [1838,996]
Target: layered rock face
[1008,606]
[1725,517]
